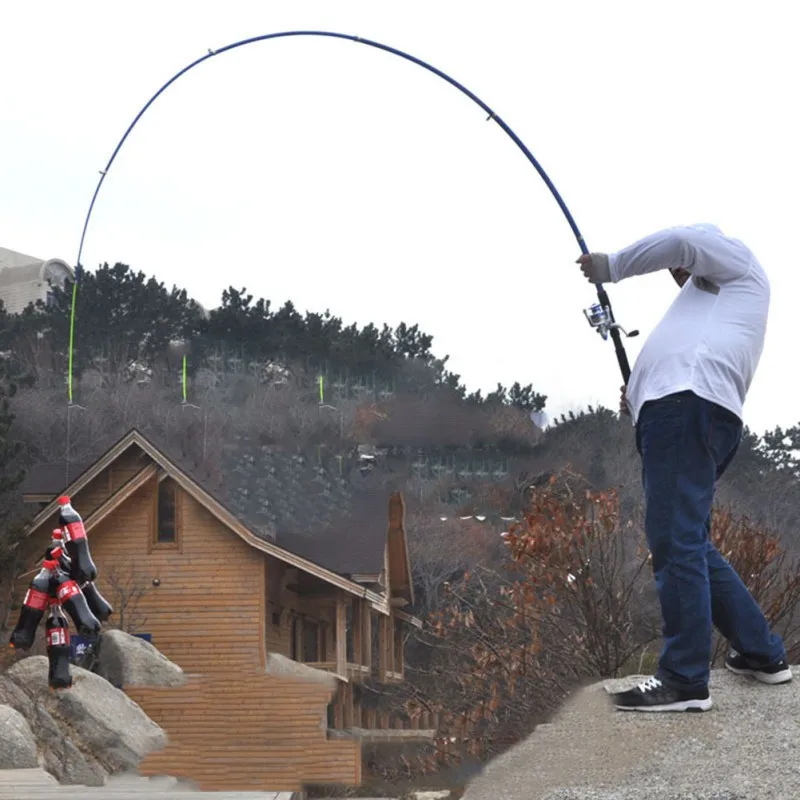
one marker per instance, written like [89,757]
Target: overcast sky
[343,177]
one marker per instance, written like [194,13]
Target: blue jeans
[686,443]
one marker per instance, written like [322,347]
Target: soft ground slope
[746,748]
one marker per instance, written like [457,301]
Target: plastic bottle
[98,605]
[59,675]
[68,593]
[75,542]
[57,543]
[33,608]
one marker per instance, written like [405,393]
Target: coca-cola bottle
[57,543]
[75,541]
[59,675]
[98,605]
[68,593]
[33,608]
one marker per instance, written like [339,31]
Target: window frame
[176,544]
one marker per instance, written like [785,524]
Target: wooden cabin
[224,599]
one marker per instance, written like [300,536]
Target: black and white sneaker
[653,695]
[777,672]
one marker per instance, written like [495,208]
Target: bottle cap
[64,500]
[51,565]
[57,534]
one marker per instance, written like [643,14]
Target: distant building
[25,279]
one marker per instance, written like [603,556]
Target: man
[685,397]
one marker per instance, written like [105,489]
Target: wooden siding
[248,733]
[207,611]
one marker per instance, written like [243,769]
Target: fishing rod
[600,315]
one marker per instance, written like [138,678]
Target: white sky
[342,177]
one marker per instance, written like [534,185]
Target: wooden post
[341,636]
[384,664]
[348,705]
[358,610]
[366,635]
[387,646]
[399,660]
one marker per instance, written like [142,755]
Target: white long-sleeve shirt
[711,338]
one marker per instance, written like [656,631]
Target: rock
[89,731]
[125,660]
[61,758]
[12,695]
[17,743]
[281,665]
[592,752]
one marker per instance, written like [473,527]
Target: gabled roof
[301,555]
[327,507]
[49,479]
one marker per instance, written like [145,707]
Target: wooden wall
[247,733]
[206,613]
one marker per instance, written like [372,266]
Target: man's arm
[700,251]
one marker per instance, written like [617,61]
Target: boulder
[60,757]
[17,743]
[281,665]
[88,731]
[125,660]
[12,695]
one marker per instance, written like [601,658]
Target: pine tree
[10,476]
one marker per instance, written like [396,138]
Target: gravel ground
[746,748]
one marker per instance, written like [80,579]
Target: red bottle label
[67,590]
[36,599]
[75,530]
[58,637]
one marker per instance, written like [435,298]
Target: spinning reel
[601,319]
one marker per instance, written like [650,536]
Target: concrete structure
[26,279]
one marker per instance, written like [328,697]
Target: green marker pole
[184,379]
[321,391]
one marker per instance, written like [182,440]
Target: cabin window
[310,641]
[166,517]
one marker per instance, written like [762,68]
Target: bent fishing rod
[600,315]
